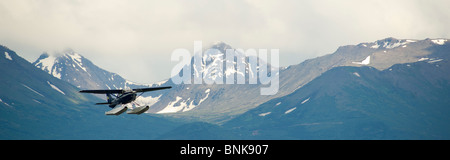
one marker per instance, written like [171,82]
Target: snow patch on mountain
[394,45]
[171,108]
[183,105]
[203,99]
[435,60]
[76,58]
[37,101]
[214,67]
[439,41]
[264,114]
[127,83]
[46,64]
[422,59]
[390,43]
[5,103]
[56,73]
[306,100]
[290,110]
[55,88]
[430,60]
[364,62]
[375,46]
[7,56]
[190,106]
[32,90]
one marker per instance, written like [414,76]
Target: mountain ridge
[397,93]
[202,102]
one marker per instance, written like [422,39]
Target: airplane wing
[150,89]
[103,91]
[122,91]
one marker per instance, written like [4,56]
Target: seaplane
[119,97]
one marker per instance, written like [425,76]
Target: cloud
[141,34]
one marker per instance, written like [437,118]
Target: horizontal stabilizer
[138,110]
[102,103]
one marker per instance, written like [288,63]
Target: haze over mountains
[387,89]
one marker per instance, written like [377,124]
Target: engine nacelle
[138,110]
[117,110]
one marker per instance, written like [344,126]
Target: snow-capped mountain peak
[439,41]
[390,43]
[215,65]
[72,67]
[53,63]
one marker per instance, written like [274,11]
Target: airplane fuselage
[123,99]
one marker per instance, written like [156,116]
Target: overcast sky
[135,38]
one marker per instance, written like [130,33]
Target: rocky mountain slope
[404,101]
[36,105]
[232,100]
